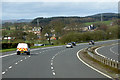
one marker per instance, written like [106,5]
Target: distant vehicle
[23,48]
[69,45]
[73,43]
[91,42]
[39,44]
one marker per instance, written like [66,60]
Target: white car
[69,45]
[23,48]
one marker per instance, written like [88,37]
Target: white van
[23,48]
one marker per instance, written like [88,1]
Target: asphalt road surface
[52,62]
[111,51]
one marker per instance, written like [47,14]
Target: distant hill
[105,16]
[43,21]
[17,21]
[76,19]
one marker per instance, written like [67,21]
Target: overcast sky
[31,10]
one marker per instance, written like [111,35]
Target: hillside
[74,19]
[17,21]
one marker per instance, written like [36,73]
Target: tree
[31,36]
[112,32]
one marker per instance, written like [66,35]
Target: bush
[83,37]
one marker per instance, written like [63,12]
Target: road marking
[3,72]
[25,58]
[51,67]
[53,73]
[51,63]
[29,56]
[98,53]
[102,47]
[21,60]
[113,51]
[10,67]
[16,63]
[7,55]
[91,66]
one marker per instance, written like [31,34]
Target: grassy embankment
[105,22]
[13,49]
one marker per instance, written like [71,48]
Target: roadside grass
[105,22]
[100,66]
[13,49]
[7,50]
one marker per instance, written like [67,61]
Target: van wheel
[28,53]
[18,53]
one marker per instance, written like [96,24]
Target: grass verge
[13,49]
[113,72]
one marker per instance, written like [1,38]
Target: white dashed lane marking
[3,72]
[10,67]
[53,73]
[51,67]
[16,63]
[51,63]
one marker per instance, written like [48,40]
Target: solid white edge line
[98,53]
[7,55]
[102,47]
[91,66]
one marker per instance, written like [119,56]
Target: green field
[104,22]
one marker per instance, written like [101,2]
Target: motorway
[51,62]
[110,51]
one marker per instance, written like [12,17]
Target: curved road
[52,62]
[110,51]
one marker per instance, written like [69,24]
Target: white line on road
[113,51]
[10,67]
[51,63]
[16,63]
[21,60]
[98,53]
[53,73]
[51,67]
[3,72]
[91,66]
[7,55]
